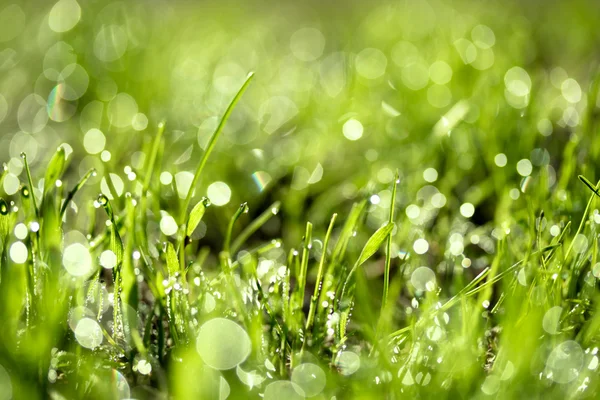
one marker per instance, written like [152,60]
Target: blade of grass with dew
[388,253]
[211,145]
[345,300]
[116,246]
[73,192]
[255,225]
[242,209]
[318,282]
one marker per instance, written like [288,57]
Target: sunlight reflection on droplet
[565,362]
[77,260]
[64,15]
[524,167]
[121,110]
[307,44]
[183,180]
[421,246]
[467,210]
[88,333]
[108,259]
[222,343]
[500,160]
[371,63]
[309,377]
[348,363]
[430,175]
[218,193]
[352,129]
[18,252]
[168,225]
[423,278]
[166,178]
[110,43]
[94,141]
[551,321]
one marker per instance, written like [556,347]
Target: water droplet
[309,377]
[222,343]
[348,363]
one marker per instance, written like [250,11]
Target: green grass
[441,244]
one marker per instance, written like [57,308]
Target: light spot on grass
[307,44]
[139,122]
[423,278]
[32,115]
[64,15]
[110,43]
[144,367]
[310,378]
[88,333]
[500,160]
[218,193]
[551,321]
[440,72]
[413,211]
[121,110]
[596,270]
[261,179]
[483,37]
[352,129]
[183,180]
[421,246]
[439,96]
[283,390]
[467,210]
[517,81]
[580,243]
[222,343]
[564,362]
[514,193]
[438,200]
[371,63]
[593,363]
[11,184]
[430,175]
[94,141]
[18,252]
[490,385]
[168,225]
[348,363]
[544,127]
[105,156]
[524,167]
[77,260]
[415,75]
[117,183]
[21,231]
[571,90]
[108,259]
[375,199]
[166,178]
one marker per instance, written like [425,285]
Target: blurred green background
[488,110]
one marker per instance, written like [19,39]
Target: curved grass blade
[242,209]
[211,145]
[74,191]
[255,225]
[196,216]
[55,168]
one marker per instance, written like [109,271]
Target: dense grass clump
[400,201]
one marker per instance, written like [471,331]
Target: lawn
[289,200]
